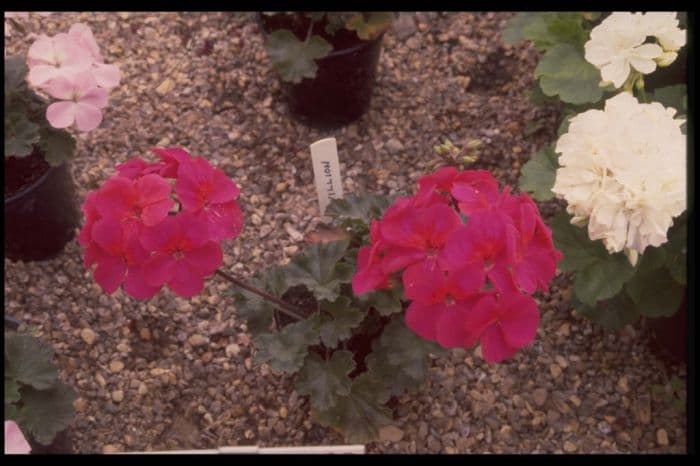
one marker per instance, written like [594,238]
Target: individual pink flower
[476,190]
[502,326]
[107,76]
[15,443]
[171,158]
[533,258]
[209,194]
[120,259]
[82,101]
[183,254]
[370,274]
[136,167]
[416,234]
[144,200]
[53,57]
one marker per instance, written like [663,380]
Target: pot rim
[34,185]
[334,53]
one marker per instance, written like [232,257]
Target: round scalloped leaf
[20,135]
[655,293]
[563,71]
[318,269]
[294,59]
[286,349]
[339,324]
[326,380]
[29,361]
[538,174]
[45,413]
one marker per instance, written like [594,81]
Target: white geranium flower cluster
[618,44]
[624,170]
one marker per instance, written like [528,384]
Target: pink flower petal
[96,96]
[82,34]
[224,221]
[424,282]
[87,117]
[422,318]
[206,259]
[450,328]
[110,273]
[152,188]
[137,286]
[519,320]
[41,74]
[61,114]
[116,197]
[161,236]
[159,269]
[186,282]
[109,235]
[194,229]
[396,258]
[107,76]
[172,157]
[224,189]
[493,347]
[154,213]
[467,280]
[42,50]
[15,443]
[132,168]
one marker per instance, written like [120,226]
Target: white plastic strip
[247,450]
[329,185]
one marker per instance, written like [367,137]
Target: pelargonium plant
[67,67]
[619,163]
[460,257]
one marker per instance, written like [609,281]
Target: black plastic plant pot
[342,89]
[669,335]
[41,218]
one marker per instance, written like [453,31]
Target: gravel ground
[173,373]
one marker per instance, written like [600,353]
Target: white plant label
[324,157]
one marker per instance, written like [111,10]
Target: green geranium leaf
[564,72]
[370,28]
[545,29]
[29,361]
[603,278]
[360,414]
[58,145]
[286,349]
[612,314]
[386,302]
[44,413]
[677,250]
[579,251]
[514,32]
[20,135]
[326,380]
[256,311]
[294,59]
[318,269]
[401,357]
[343,318]
[675,96]
[538,174]
[362,207]
[655,293]
[652,259]
[11,390]
[15,73]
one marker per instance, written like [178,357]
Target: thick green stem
[285,308]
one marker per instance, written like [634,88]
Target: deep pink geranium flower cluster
[69,67]
[470,256]
[143,230]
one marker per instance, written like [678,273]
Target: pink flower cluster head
[15,443]
[69,67]
[160,223]
[469,256]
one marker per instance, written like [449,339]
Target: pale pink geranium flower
[53,57]
[107,76]
[81,102]
[15,443]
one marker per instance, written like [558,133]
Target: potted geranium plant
[326,60]
[619,164]
[40,207]
[358,312]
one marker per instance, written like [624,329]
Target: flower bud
[666,58]
[579,221]
[632,256]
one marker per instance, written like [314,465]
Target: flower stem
[285,308]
